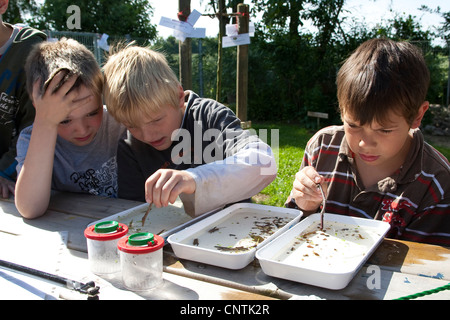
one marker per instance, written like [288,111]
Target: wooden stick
[323,205]
[146,214]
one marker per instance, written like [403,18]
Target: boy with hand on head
[72,144]
[16,109]
[377,164]
[179,144]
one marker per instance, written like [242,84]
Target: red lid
[90,233]
[156,244]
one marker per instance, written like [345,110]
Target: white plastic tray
[328,259]
[229,238]
[161,221]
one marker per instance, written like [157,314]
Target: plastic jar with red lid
[141,260]
[102,239]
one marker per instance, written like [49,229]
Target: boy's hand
[6,187]
[56,104]
[165,185]
[305,192]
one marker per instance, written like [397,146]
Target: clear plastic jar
[141,259]
[102,239]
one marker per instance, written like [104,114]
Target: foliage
[300,68]
[444,150]
[113,17]
[292,69]
[292,141]
[18,9]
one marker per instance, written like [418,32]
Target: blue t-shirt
[86,169]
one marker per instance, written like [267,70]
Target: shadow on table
[168,290]
[370,283]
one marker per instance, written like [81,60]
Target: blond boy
[178,143]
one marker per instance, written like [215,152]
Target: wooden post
[242,68]
[184,48]
[222,10]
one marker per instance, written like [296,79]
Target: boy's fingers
[67,85]
[62,81]
[149,192]
[52,83]
[6,187]
[162,188]
[306,185]
[150,187]
[170,190]
[312,174]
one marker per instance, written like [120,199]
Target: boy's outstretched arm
[216,184]
[236,178]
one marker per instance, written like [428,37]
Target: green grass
[292,141]
[445,151]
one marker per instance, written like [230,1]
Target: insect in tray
[195,242]
[214,230]
[232,249]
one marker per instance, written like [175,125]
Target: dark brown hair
[47,58]
[382,75]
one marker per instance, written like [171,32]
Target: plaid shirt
[415,200]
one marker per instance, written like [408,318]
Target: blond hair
[138,82]
[46,59]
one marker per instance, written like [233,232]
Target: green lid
[106,226]
[140,239]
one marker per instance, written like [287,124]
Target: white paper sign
[251,29]
[103,42]
[193,17]
[238,40]
[196,33]
[175,24]
[184,29]
[232,29]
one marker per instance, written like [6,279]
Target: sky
[370,11]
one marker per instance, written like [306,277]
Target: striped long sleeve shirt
[415,200]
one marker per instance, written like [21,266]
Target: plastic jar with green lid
[141,257]
[102,239]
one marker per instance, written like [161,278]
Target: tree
[19,9]
[299,66]
[304,63]
[445,29]
[113,17]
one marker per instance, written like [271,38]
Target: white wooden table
[56,244]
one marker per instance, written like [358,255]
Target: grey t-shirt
[86,169]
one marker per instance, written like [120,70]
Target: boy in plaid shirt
[377,165]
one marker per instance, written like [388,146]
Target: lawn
[292,140]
